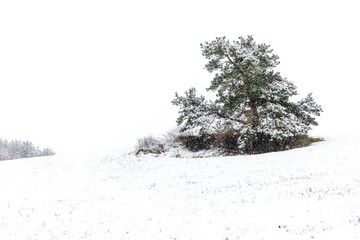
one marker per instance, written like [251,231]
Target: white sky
[83,75]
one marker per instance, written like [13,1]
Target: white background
[90,75]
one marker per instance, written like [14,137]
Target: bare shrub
[170,139]
[149,144]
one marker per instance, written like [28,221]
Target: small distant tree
[253,101]
[47,152]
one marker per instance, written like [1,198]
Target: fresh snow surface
[309,193]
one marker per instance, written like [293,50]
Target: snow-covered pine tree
[253,99]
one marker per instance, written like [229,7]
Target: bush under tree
[253,111]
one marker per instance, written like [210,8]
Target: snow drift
[306,193]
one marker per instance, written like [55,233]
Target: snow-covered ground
[309,193]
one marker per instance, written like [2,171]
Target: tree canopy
[252,99]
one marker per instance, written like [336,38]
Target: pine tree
[252,98]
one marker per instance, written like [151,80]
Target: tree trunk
[254,115]
[255,121]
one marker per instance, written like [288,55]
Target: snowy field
[309,193]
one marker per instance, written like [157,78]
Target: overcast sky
[83,75]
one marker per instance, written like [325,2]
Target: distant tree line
[21,149]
